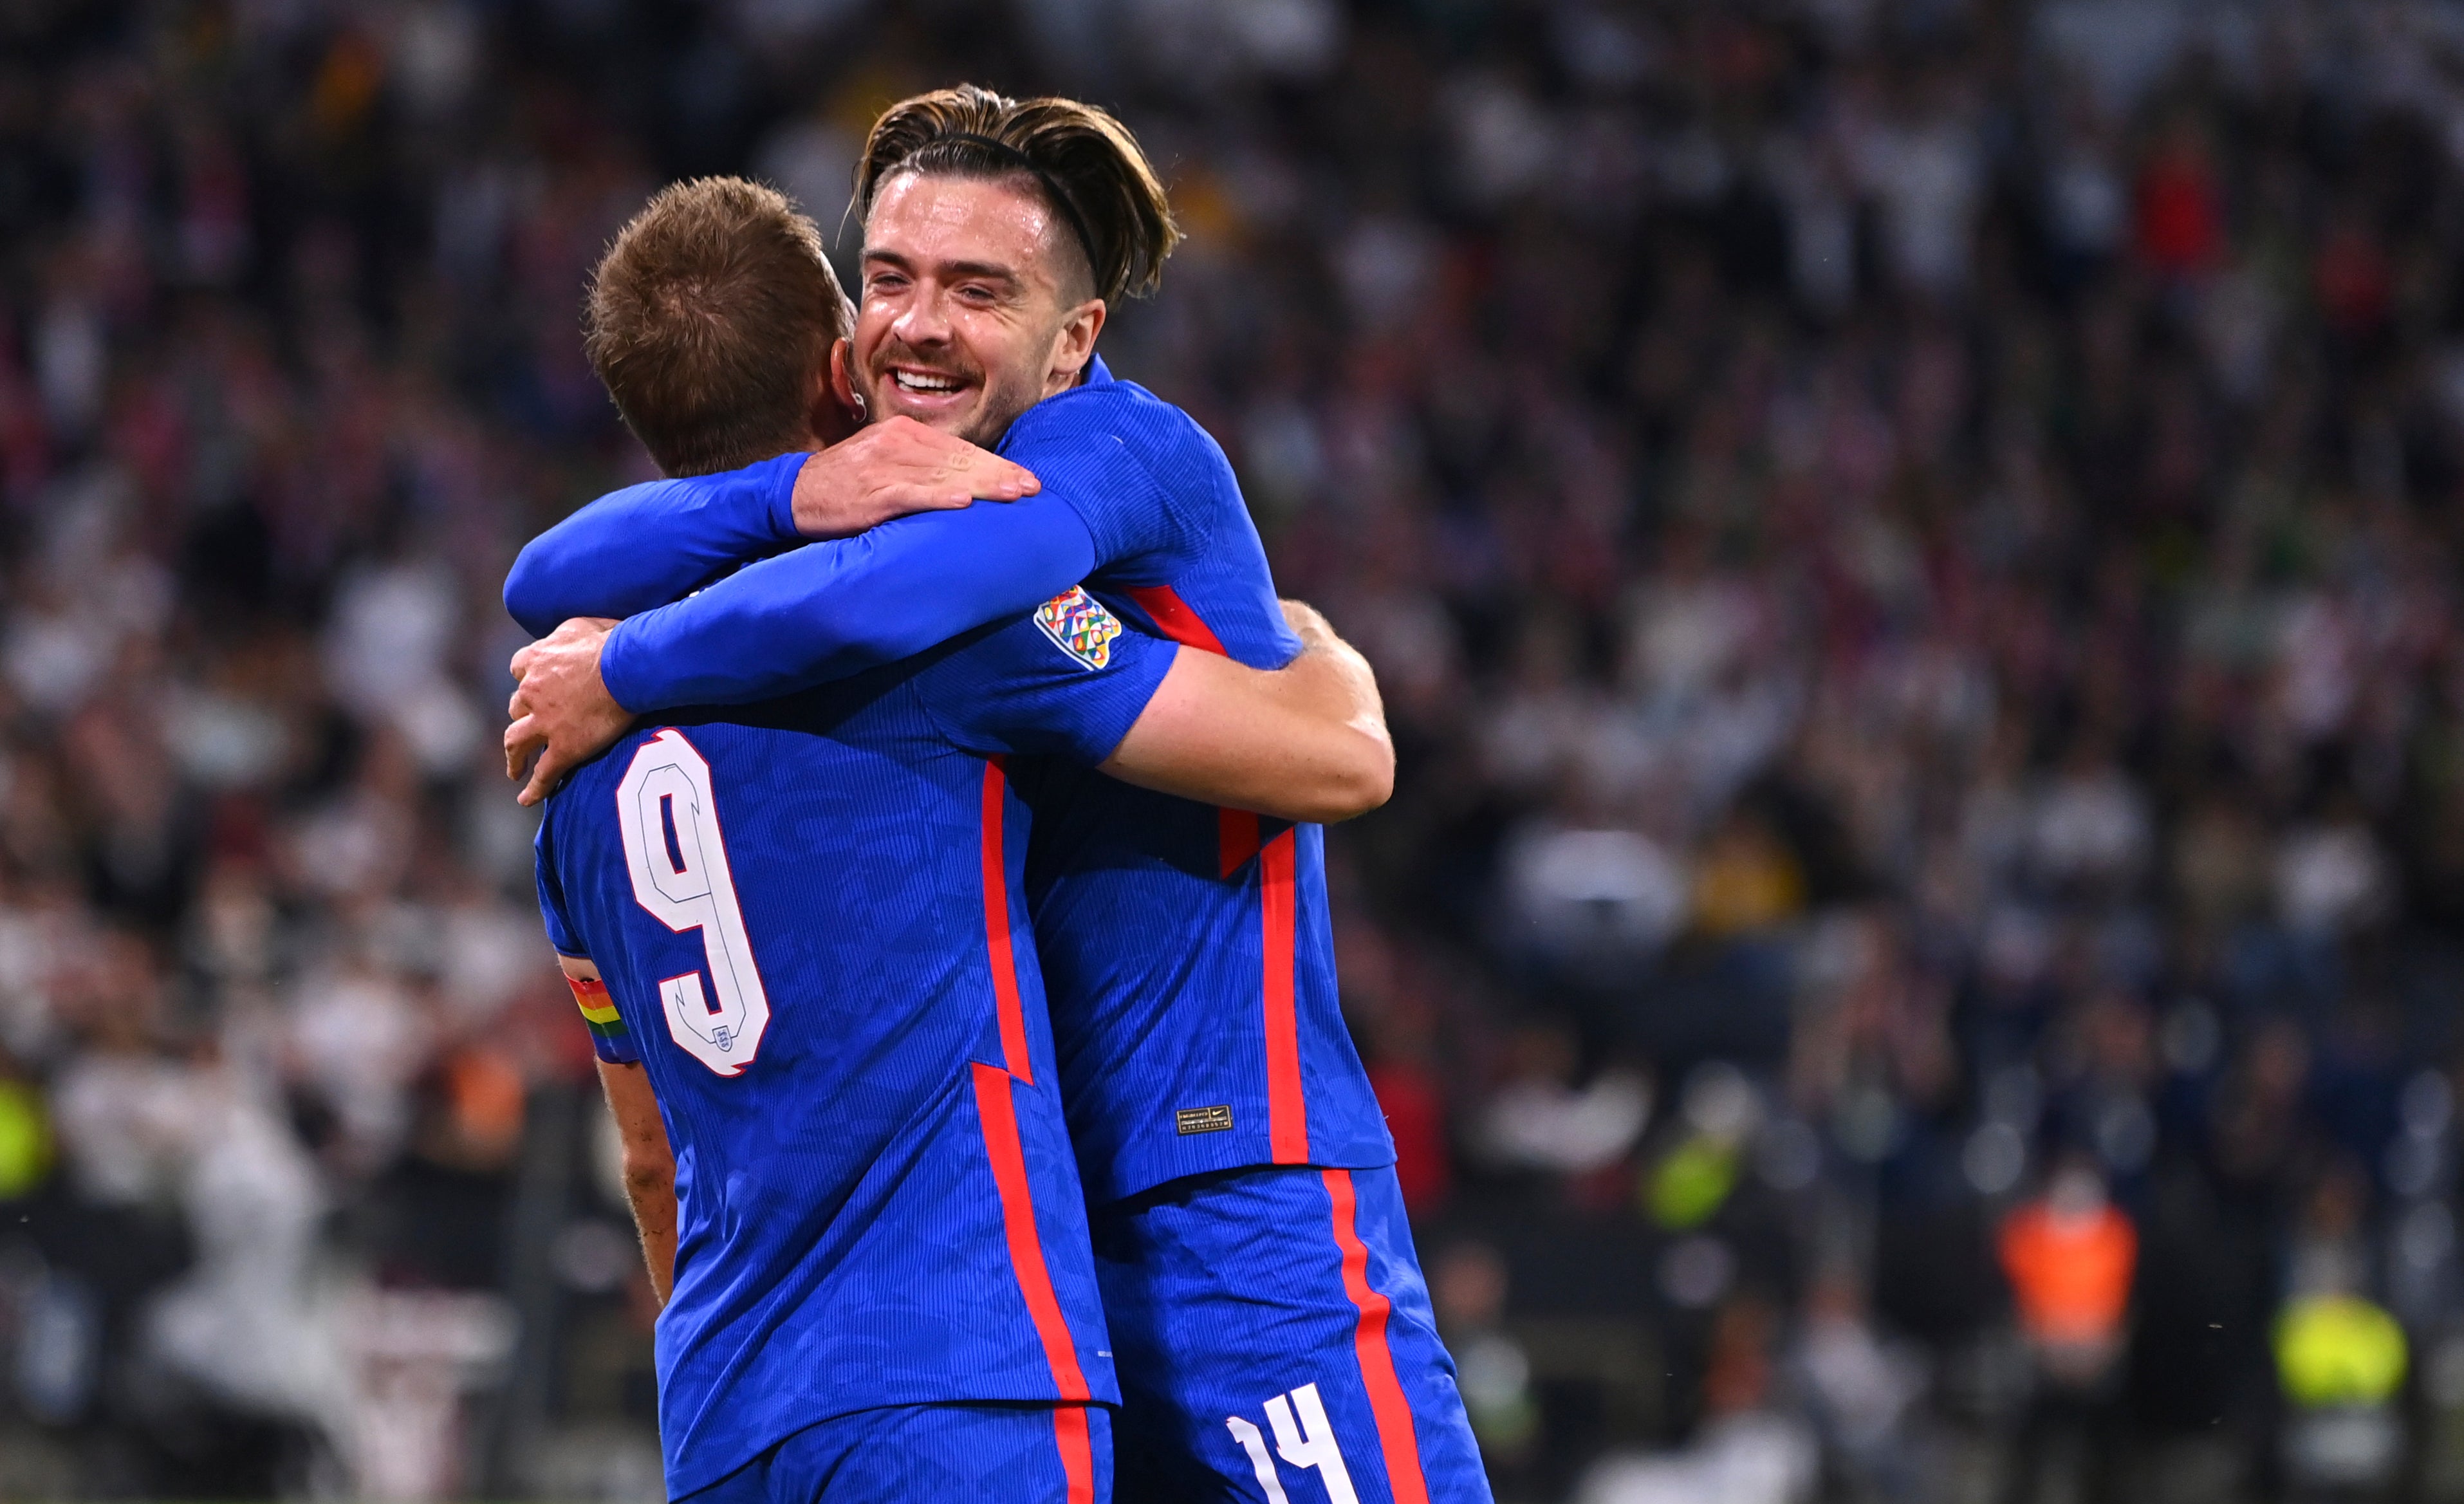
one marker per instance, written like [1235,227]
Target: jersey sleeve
[1067,680]
[651,544]
[609,1039]
[1139,524]
[827,611]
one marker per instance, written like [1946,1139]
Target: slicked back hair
[710,318]
[1081,160]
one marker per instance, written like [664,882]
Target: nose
[924,323]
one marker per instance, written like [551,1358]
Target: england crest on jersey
[1080,627]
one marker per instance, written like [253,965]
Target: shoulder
[1151,431]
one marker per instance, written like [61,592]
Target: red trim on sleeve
[997,938]
[999,1118]
[1286,1111]
[1175,619]
[1397,1438]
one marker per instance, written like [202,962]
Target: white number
[679,868]
[1309,1444]
[1264,1465]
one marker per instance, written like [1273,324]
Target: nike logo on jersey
[1203,1119]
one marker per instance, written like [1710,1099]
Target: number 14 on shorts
[1304,1438]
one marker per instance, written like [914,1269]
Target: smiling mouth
[925,383]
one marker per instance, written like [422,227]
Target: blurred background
[1912,546]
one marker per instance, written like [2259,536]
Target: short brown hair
[710,316]
[1078,157]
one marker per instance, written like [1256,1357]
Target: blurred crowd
[1913,551]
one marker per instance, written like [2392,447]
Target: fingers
[549,771]
[993,478]
[522,741]
[979,472]
[523,656]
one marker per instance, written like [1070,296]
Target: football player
[798,932]
[1267,1307]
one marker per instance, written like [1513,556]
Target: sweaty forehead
[961,217]
[952,218]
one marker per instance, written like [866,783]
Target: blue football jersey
[1187,950]
[809,915]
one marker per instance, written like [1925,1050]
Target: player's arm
[648,544]
[1306,742]
[649,1166]
[819,614]
[829,610]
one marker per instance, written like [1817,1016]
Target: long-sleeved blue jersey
[1187,951]
[809,922]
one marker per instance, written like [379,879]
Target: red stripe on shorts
[1395,1437]
[1077,1452]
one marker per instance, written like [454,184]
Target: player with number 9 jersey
[807,919]
[1249,1233]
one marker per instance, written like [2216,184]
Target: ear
[843,379]
[1074,345]
[836,411]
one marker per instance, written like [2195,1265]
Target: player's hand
[895,466]
[561,711]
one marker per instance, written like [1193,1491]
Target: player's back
[807,917]
[1187,949]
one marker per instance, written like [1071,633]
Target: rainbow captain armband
[608,1034]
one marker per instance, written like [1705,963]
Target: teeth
[916,383]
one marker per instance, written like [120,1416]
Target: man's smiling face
[977,304]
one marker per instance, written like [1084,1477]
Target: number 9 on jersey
[678,863]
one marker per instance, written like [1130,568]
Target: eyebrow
[988,269]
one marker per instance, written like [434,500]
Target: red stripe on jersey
[1237,841]
[999,1116]
[1174,618]
[1395,1437]
[1287,1111]
[1077,1452]
[997,942]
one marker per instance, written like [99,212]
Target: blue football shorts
[960,1453]
[1274,1344]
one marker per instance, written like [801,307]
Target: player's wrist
[622,673]
[781,479]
